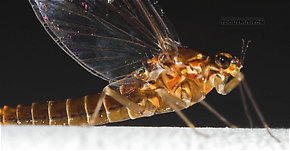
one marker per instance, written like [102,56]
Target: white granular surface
[139,138]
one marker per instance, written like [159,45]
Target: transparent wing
[109,38]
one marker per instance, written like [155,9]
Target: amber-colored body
[184,77]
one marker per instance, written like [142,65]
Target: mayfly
[132,45]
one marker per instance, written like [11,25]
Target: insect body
[132,45]
[183,78]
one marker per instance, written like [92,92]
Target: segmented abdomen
[77,111]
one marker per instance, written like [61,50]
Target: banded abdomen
[76,111]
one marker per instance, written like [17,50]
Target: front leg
[224,88]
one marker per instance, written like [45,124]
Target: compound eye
[222,61]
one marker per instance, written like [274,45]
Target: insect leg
[225,88]
[245,106]
[173,102]
[97,110]
[222,118]
[123,100]
[107,91]
[253,101]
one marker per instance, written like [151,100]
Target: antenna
[244,50]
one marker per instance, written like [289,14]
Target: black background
[33,68]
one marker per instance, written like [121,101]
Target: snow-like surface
[145,138]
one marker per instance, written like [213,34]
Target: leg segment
[225,88]
[259,113]
[123,100]
[246,106]
[107,91]
[175,104]
[222,118]
[93,118]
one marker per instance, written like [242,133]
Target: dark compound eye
[222,61]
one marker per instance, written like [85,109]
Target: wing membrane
[110,39]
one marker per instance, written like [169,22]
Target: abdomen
[76,111]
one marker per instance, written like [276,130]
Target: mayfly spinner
[132,45]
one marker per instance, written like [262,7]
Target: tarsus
[245,106]
[259,113]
